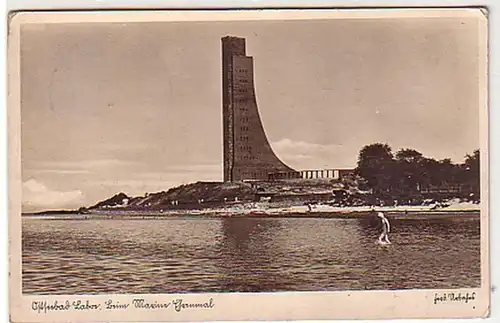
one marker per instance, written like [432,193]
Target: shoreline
[394,213]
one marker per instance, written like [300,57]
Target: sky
[136,107]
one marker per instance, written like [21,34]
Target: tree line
[408,175]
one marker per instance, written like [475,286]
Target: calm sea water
[188,254]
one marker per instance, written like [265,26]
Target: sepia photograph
[184,163]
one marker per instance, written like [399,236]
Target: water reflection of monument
[248,243]
[247,153]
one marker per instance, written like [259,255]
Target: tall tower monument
[247,153]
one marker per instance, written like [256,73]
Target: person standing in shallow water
[386,228]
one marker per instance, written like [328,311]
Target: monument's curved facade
[247,152]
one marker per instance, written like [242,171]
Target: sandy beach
[263,210]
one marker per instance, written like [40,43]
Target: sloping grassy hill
[189,194]
[218,193]
[200,191]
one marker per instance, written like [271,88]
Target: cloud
[134,147]
[137,187]
[37,196]
[302,148]
[82,164]
[77,167]
[140,182]
[63,171]
[174,175]
[137,183]
[202,169]
[134,187]
[306,155]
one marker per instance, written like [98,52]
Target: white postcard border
[237,306]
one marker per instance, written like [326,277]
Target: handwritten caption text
[177,305]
